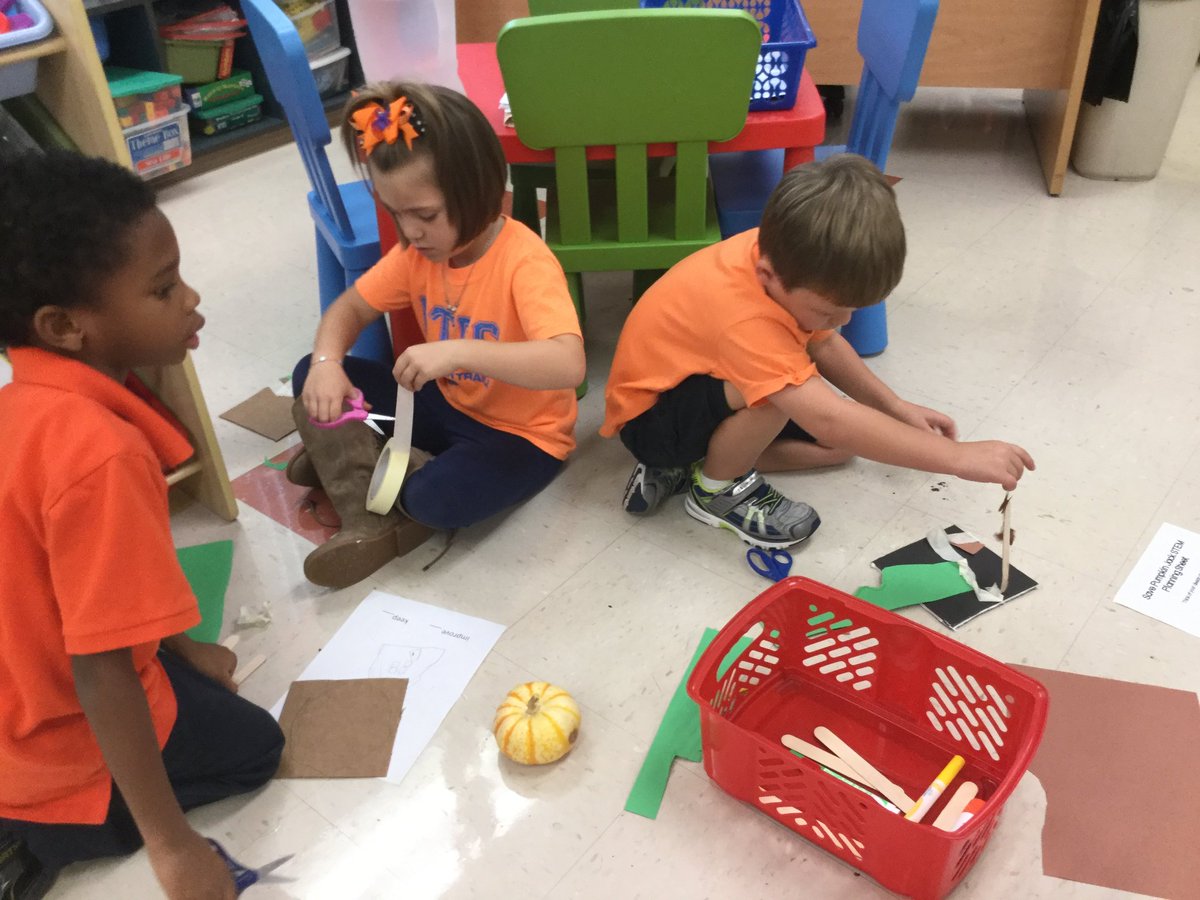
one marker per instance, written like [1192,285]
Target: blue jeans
[477,471]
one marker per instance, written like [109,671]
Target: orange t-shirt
[708,315]
[89,566]
[515,292]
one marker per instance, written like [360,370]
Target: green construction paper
[678,735]
[902,586]
[207,568]
[277,466]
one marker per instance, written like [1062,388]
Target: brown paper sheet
[340,729]
[1119,767]
[265,413]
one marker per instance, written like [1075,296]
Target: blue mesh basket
[786,40]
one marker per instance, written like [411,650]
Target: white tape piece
[389,473]
[940,542]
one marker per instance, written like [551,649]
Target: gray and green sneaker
[754,511]
[649,486]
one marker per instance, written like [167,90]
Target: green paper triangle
[902,586]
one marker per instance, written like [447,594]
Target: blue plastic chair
[347,232]
[893,36]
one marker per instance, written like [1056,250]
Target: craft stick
[954,807]
[1005,540]
[230,642]
[246,669]
[866,772]
[937,786]
[822,757]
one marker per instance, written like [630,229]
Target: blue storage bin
[20,78]
[787,38]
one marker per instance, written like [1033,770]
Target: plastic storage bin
[318,27]
[907,699]
[18,79]
[160,147]
[228,116]
[787,38]
[143,96]
[199,62]
[235,87]
[332,72]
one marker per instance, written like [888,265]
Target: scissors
[773,564]
[244,876]
[356,413]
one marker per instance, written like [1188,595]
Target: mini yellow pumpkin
[537,723]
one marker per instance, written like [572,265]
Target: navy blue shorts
[675,431]
[477,471]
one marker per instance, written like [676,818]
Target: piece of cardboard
[207,568]
[1118,765]
[956,611]
[340,729]
[265,413]
[901,586]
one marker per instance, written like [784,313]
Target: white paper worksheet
[1165,583]
[437,650]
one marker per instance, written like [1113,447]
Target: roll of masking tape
[388,478]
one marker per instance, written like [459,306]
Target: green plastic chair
[626,79]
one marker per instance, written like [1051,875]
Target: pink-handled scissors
[356,413]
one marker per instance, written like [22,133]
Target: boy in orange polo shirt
[723,369]
[112,721]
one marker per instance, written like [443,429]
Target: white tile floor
[1070,325]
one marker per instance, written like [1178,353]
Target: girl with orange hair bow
[493,383]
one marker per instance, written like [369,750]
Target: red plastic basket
[803,655]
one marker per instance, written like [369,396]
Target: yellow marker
[927,799]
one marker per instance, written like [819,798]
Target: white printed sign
[1165,583]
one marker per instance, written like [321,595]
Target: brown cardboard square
[265,413]
[1118,764]
[341,729]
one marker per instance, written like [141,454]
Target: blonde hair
[468,163]
[833,227]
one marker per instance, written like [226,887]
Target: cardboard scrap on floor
[340,729]
[265,413]
[1119,767]
[207,568]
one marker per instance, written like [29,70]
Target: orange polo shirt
[516,291]
[708,315]
[89,566]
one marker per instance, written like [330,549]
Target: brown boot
[343,459]
[300,471]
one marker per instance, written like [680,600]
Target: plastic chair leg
[575,286]
[375,341]
[866,331]
[525,182]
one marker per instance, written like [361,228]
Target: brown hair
[468,163]
[833,227]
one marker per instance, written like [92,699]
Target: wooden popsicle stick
[822,757]
[246,669]
[1005,540]
[967,791]
[873,776]
[230,642]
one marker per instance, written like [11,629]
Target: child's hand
[325,391]
[422,363]
[926,419]
[191,870]
[212,660]
[993,462]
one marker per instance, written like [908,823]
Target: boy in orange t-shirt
[724,367]
[112,721]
